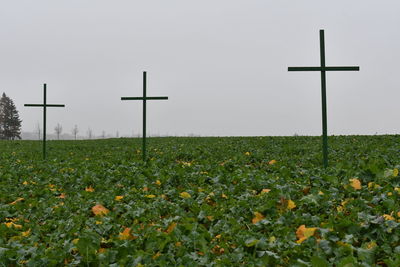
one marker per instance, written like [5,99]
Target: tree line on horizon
[10,123]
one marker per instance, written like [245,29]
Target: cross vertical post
[323,95]
[44,105]
[144,114]
[44,119]
[323,69]
[144,98]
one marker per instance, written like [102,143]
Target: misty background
[223,65]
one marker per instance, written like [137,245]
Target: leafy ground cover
[261,201]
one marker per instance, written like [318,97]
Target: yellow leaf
[62,196]
[178,244]
[388,217]
[89,189]
[126,234]
[291,205]
[75,241]
[224,196]
[371,245]
[100,210]
[395,172]
[158,182]
[247,153]
[102,250]
[155,256]
[272,162]
[99,222]
[355,183]
[185,195]
[265,191]
[257,217]
[304,233]
[210,218]
[171,227]
[17,200]
[119,198]
[26,233]
[11,224]
[150,196]
[25,183]
[321,193]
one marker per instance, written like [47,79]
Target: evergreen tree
[10,124]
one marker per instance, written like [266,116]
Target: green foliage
[10,124]
[201,202]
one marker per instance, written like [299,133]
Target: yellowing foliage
[26,233]
[355,183]
[388,217]
[89,189]
[150,196]
[291,205]
[126,234]
[100,210]
[171,227]
[272,162]
[11,224]
[265,191]
[303,233]
[257,217]
[371,245]
[118,198]
[17,200]
[185,195]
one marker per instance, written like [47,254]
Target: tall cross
[323,69]
[44,105]
[144,98]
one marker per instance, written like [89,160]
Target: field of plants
[259,201]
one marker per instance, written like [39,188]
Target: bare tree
[90,133]
[117,135]
[75,131]
[103,134]
[58,129]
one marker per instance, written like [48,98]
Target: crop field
[259,201]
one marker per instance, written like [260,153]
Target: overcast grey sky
[223,64]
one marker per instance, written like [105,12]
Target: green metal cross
[323,69]
[145,98]
[44,105]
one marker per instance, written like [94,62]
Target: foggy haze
[223,65]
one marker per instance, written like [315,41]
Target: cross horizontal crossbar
[41,105]
[355,68]
[146,98]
